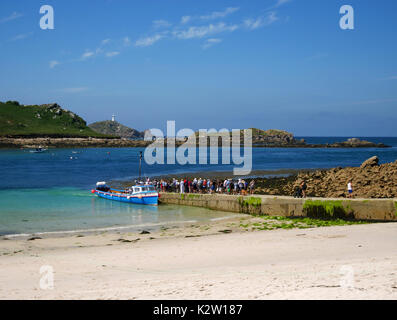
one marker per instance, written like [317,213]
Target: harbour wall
[323,208]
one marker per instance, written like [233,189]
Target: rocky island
[114,128]
[51,126]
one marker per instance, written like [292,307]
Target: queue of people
[199,185]
[227,186]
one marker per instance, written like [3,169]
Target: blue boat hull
[136,199]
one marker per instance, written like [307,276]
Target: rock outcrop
[282,139]
[116,129]
[69,143]
[356,143]
[371,162]
[370,180]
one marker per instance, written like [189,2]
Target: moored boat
[38,150]
[139,194]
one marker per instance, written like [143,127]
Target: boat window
[144,188]
[151,188]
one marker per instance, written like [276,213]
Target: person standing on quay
[350,189]
[182,185]
[304,188]
[252,186]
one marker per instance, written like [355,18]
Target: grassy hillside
[48,120]
[117,129]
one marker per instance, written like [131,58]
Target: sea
[50,192]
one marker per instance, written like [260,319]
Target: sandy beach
[220,260]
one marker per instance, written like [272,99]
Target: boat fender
[128,197]
[92,191]
[140,197]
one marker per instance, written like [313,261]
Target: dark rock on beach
[34,238]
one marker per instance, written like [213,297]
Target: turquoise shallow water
[27,211]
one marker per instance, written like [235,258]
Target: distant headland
[51,126]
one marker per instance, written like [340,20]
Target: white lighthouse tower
[113,118]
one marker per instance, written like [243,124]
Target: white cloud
[21,36]
[279,3]
[112,54]
[87,55]
[73,90]
[127,41]
[148,41]
[185,19]
[105,42]
[203,31]
[253,24]
[13,16]
[53,63]
[210,42]
[161,24]
[220,14]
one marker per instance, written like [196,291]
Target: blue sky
[282,64]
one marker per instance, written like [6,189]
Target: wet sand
[217,260]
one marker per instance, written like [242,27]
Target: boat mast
[140,164]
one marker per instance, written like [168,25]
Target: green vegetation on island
[48,120]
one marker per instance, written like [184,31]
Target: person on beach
[303,188]
[231,187]
[199,185]
[240,186]
[297,192]
[182,186]
[212,187]
[185,183]
[235,188]
[350,189]
[252,186]
[190,186]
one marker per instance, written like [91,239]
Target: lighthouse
[113,118]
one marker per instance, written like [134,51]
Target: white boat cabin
[140,189]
